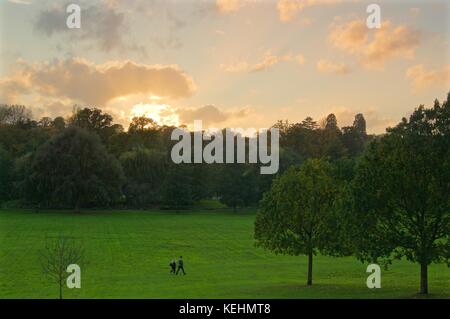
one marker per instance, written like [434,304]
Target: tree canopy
[401,193]
[74,170]
[295,216]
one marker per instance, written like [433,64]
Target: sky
[230,63]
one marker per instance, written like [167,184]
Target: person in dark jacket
[173,266]
[180,265]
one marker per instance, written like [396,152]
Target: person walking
[180,265]
[173,266]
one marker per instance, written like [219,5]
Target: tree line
[87,161]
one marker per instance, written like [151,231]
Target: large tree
[91,119]
[360,124]
[176,190]
[296,215]
[330,138]
[331,122]
[94,120]
[238,185]
[144,170]
[140,123]
[74,170]
[401,193]
[14,114]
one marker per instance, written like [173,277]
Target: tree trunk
[60,291]
[310,264]
[424,278]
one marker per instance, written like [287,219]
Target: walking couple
[173,266]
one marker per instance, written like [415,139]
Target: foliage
[74,170]
[401,193]
[176,190]
[296,215]
[144,170]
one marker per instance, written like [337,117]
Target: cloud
[163,114]
[11,89]
[14,86]
[392,42]
[101,25]
[415,12]
[23,2]
[422,78]
[51,21]
[288,9]
[374,47]
[171,24]
[350,37]
[48,107]
[165,20]
[330,67]
[269,60]
[229,6]
[97,84]
[209,115]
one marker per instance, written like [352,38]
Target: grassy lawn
[129,252]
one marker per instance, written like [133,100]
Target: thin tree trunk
[424,278]
[60,291]
[310,265]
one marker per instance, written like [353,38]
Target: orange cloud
[229,6]
[97,84]
[374,47]
[15,85]
[391,42]
[330,67]
[12,89]
[423,78]
[288,9]
[267,62]
[350,37]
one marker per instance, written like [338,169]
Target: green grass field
[128,255]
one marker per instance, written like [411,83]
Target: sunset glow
[163,114]
[229,63]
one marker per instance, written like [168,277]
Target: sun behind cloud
[163,114]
